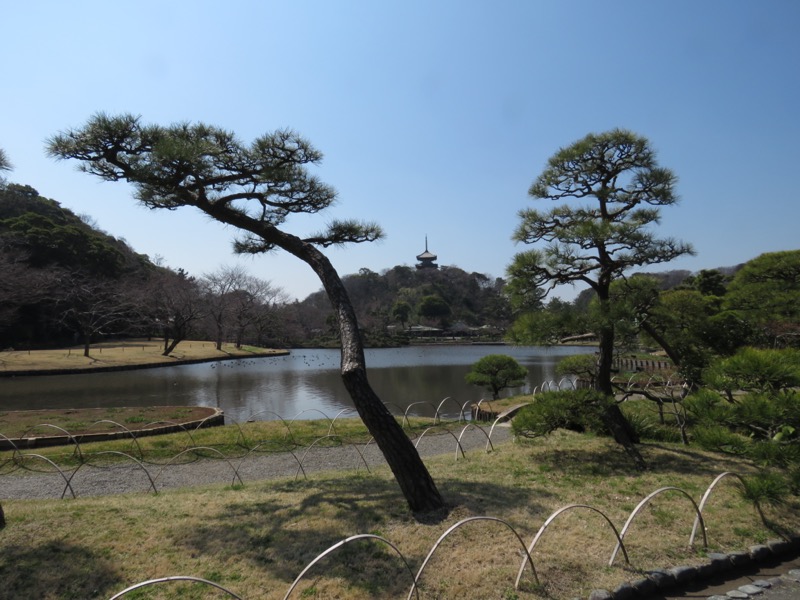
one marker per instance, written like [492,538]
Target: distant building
[427,260]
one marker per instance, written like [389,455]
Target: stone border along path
[670,584]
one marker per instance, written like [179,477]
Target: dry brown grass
[78,421]
[124,353]
[256,539]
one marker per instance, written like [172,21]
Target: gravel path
[130,476]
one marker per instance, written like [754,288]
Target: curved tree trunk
[411,474]
[216,174]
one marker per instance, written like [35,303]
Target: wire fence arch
[18,459]
[526,551]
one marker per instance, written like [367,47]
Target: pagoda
[427,259]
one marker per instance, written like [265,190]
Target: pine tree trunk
[402,457]
[614,420]
[411,474]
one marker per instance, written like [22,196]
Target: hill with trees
[50,261]
[65,280]
[402,303]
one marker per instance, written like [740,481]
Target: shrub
[583,366]
[753,369]
[497,372]
[577,410]
[765,488]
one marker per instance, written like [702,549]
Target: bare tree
[171,304]
[219,288]
[253,307]
[92,307]
[19,283]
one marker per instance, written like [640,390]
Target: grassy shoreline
[120,355]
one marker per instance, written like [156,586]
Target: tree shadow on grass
[282,534]
[56,571]
[610,460]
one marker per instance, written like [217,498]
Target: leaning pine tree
[253,188]
[617,181]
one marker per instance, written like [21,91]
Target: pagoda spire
[427,260]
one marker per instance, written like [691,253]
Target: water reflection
[305,380]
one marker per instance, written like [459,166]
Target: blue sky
[434,116]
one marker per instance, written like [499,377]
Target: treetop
[619,166]
[254,187]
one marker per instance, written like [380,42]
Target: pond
[300,385]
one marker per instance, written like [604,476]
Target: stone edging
[660,580]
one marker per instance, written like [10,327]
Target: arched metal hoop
[479,428]
[316,410]
[123,428]
[338,545]
[62,430]
[326,437]
[644,503]
[214,450]
[456,526]
[413,404]
[704,499]
[552,518]
[114,453]
[14,450]
[251,419]
[458,440]
[57,468]
[297,460]
[144,584]
[458,406]
[180,426]
[331,428]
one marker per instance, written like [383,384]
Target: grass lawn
[81,421]
[121,354]
[255,539]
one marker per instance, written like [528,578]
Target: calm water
[302,383]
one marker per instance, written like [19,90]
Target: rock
[737,594]
[751,590]
[600,595]
[625,591]
[645,587]
[683,574]
[708,569]
[740,559]
[663,579]
[763,583]
[779,547]
[760,553]
[721,562]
